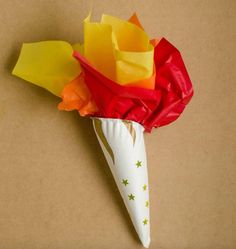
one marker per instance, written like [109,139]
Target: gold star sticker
[131,197]
[125,182]
[145,221]
[144,187]
[147,204]
[139,164]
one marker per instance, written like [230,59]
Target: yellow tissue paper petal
[48,64]
[129,36]
[98,48]
[119,49]
[134,66]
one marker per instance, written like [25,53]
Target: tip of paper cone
[146,242]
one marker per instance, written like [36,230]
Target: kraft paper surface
[56,189]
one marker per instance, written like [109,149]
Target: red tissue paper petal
[151,108]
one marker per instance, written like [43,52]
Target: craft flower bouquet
[126,83]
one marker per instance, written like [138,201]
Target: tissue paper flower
[127,84]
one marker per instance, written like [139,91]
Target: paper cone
[123,146]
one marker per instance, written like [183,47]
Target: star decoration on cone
[147,204]
[139,164]
[131,197]
[145,221]
[125,182]
[144,187]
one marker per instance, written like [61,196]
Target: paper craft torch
[127,84]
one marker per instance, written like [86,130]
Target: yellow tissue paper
[98,47]
[119,49]
[48,64]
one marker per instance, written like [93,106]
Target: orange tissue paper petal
[76,96]
[154,42]
[134,19]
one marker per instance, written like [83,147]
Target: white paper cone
[123,145]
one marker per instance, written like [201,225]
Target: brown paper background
[56,190]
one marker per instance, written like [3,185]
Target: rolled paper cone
[123,145]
